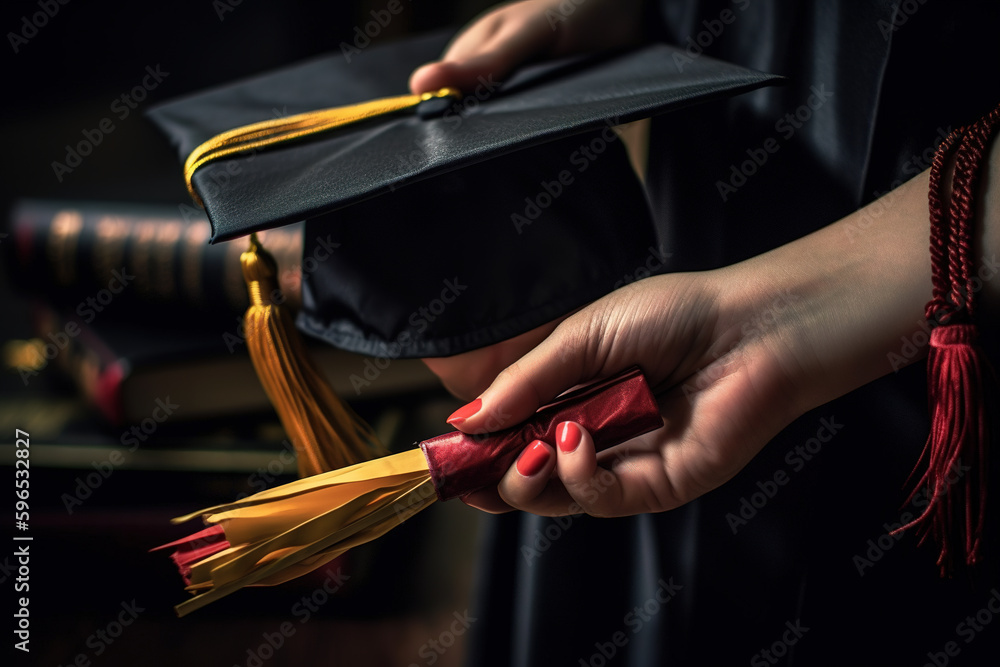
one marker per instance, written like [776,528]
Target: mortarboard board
[427,212]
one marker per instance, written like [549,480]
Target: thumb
[492,47]
[465,74]
[558,363]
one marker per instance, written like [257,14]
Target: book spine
[150,255]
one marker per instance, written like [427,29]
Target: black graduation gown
[801,572]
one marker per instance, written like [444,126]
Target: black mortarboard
[434,233]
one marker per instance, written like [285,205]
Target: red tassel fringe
[958,372]
[194,548]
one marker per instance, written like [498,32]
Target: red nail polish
[533,459]
[568,437]
[465,412]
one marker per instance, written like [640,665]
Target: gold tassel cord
[326,433]
[281,130]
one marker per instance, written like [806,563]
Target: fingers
[565,479]
[464,74]
[487,500]
[530,474]
[558,363]
[528,477]
[493,45]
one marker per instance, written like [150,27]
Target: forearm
[860,286]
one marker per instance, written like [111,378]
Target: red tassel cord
[193,548]
[958,373]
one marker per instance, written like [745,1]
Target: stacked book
[135,306]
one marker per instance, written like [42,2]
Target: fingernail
[464,412]
[568,437]
[533,458]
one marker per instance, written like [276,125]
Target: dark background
[403,591]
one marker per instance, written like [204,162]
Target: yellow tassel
[326,433]
[287,531]
[282,130]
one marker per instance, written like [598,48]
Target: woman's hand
[729,392]
[740,352]
[510,35]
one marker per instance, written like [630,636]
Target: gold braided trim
[280,130]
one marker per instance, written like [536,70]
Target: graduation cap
[521,172]
[421,212]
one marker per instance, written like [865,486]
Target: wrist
[845,304]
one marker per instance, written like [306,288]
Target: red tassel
[958,372]
[196,547]
[955,479]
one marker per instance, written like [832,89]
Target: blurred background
[85,366]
